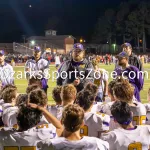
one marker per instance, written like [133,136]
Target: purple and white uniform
[39,68]
[6,74]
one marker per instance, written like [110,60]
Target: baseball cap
[37,49]
[78,46]
[2,52]
[122,55]
[126,45]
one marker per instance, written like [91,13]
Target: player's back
[96,106]
[139,113]
[105,108]
[56,110]
[27,138]
[86,143]
[94,124]
[121,139]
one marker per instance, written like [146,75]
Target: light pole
[81,40]
[114,45]
[33,43]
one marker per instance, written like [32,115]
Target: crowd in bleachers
[105,59]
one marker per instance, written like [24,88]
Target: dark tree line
[129,22]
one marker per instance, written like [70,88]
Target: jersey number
[42,126]
[135,146]
[84,131]
[139,119]
[97,82]
[21,148]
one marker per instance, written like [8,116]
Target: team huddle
[87,115]
[76,121]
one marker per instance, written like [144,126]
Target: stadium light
[114,45]
[33,43]
[81,40]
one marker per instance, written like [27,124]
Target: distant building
[57,43]
[7,47]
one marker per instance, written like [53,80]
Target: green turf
[22,83]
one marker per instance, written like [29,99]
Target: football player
[55,109]
[128,136]
[29,132]
[9,96]
[124,91]
[72,119]
[94,123]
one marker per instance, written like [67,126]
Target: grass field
[22,83]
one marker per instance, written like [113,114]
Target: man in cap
[37,66]
[78,70]
[133,59]
[6,71]
[129,72]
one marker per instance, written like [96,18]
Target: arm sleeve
[45,70]
[27,69]
[12,75]
[147,106]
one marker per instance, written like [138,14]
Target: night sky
[75,17]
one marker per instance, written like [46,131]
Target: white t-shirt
[103,77]
[57,60]
[86,143]
[121,139]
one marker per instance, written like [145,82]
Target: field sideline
[22,83]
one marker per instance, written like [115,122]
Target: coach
[129,72]
[78,70]
[133,59]
[6,71]
[37,66]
